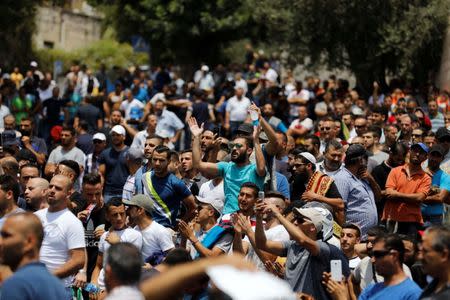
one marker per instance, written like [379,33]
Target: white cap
[217,204]
[309,157]
[248,285]
[119,130]
[33,64]
[99,136]
[205,68]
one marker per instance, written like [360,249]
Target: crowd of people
[238,183]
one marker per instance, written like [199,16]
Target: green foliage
[17,26]
[109,52]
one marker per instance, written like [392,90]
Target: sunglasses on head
[232,145]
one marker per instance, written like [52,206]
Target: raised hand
[193,126]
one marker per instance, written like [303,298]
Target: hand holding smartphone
[336,270]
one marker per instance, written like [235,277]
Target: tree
[186,32]
[17,26]
[373,38]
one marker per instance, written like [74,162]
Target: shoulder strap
[160,202]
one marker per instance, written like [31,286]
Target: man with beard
[407,187]
[116,118]
[301,126]
[358,189]
[381,172]
[312,144]
[20,243]
[99,141]
[36,145]
[332,163]
[209,146]
[66,151]
[273,229]
[436,262]
[236,172]
[113,165]
[166,190]
[433,207]
[269,115]
[319,187]
[151,142]
[36,194]
[191,177]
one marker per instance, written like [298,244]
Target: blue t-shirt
[33,282]
[116,173]
[233,178]
[406,290]
[172,191]
[283,185]
[441,180]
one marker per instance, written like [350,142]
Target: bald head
[22,236]
[39,182]
[65,180]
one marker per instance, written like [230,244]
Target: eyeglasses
[380,253]
[232,145]
[325,128]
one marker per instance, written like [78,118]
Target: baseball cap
[422,146]
[9,138]
[245,128]
[311,214]
[215,203]
[118,129]
[99,136]
[205,68]
[442,133]
[354,151]
[33,64]
[140,200]
[309,157]
[437,148]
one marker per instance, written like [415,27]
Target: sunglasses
[360,126]
[98,141]
[232,145]
[325,128]
[380,253]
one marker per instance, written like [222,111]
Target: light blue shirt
[360,208]
[233,178]
[441,180]
[168,124]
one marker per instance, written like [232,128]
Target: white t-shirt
[4,110]
[128,235]
[238,108]
[306,123]
[62,232]
[209,191]
[155,238]
[303,94]
[277,234]
[127,107]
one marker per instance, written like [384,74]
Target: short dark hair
[335,144]
[8,183]
[92,179]
[29,165]
[252,186]
[114,201]
[125,261]
[27,119]
[73,165]
[83,125]
[173,155]
[186,151]
[163,149]
[69,128]
[376,231]
[177,256]
[376,131]
[352,226]
[315,139]
[393,242]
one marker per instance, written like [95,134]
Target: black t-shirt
[54,106]
[84,142]
[380,173]
[116,169]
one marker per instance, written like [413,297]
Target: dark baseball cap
[9,138]
[245,128]
[437,148]
[442,133]
[422,146]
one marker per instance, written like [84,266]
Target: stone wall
[65,28]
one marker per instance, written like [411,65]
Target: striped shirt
[437,122]
[360,208]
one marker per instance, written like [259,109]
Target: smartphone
[336,270]
[260,197]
